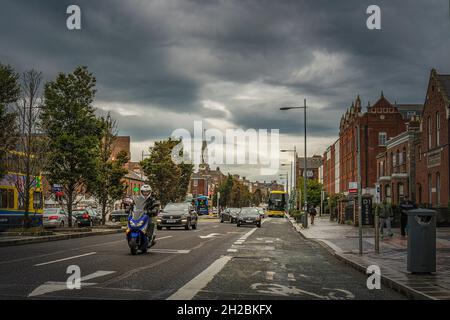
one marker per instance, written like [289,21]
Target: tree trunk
[69,205]
[104,203]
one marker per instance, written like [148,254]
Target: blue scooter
[137,232]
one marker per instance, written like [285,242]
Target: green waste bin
[421,241]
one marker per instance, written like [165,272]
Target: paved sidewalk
[343,241]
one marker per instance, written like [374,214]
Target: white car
[56,218]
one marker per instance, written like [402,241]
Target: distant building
[331,173]
[313,166]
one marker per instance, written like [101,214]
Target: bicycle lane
[274,262]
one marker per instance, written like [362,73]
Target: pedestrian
[405,206]
[312,212]
[385,212]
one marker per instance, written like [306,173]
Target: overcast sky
[160,65]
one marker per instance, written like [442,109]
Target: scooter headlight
[140,223]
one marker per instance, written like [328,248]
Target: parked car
[180,214]
[87,217]
[118,215]
[249,215]
[56,217]
[230,214]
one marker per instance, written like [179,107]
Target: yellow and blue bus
[12,210]
[276,206]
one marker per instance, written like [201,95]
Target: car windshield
[50,210]
[235,210]
[174,207]
[248,212]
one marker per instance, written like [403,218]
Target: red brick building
[331,176]
[380,122]
[396,166]
[433,160]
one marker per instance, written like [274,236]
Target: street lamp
[285,176]
[305,222]
[290,170]
[294,172]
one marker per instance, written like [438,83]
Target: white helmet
[146,189]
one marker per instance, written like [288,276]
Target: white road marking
[169,251]
[164,237]
[269,275]
[211,235]
[190,289]
[54,286]
[269,241]
[69,258]
[232,250]
[291,277]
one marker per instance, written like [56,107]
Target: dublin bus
[201,205]
[277,204]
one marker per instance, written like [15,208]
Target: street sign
[353,187]
[56,188]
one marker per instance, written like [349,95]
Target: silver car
[56,218]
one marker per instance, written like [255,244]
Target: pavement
[343,242]
[216,261]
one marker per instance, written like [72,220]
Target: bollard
[377,233]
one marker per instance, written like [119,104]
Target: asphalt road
[217,261]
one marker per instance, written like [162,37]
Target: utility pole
[358,137]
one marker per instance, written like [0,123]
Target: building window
[430,186]
[387,193]
[429,132]
[438,189]
[438,128]
[382,136]
[400,192]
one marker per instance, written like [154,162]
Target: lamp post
[294,171]
[285,176]
[292,180]
[305,222]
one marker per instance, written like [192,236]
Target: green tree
[313,189]
[240,195]
[168,180]
[9,93]
[257,197]
[73,131]
[108,186]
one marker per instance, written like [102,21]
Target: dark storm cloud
[169,57]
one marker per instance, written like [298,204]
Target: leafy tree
[168,180]
[225,191]
[9,93]
[240,195]
[313,188]
[107,185]
[257,197]
[73,131]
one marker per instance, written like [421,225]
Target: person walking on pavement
[385,212]
[312,212]
[405,206]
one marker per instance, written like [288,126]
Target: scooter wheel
[133,247]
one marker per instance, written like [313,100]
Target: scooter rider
[147,202]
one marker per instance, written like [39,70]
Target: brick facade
[380,122]
[433,149]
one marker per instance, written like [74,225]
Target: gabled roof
[444,79]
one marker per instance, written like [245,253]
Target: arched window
[438,128]
[429,132]
[438,189]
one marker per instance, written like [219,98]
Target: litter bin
[421,241]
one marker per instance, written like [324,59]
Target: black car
[118,215]
[180,214]
[230,214]
[249,215]
[87,217]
